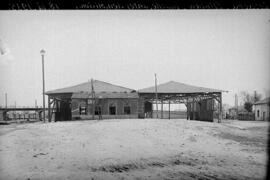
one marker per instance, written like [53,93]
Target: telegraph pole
[236,105]
[255,96]
[6,99]
[42,52]
[156,94]
[93,95]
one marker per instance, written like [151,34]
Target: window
[82,110]
[258,113]
[126,109]
[97,110]
[112,109]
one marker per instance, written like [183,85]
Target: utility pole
[93,95]
[255,96]
[236,105]
[14,114]
[156,94]
[6,99]
[42,52]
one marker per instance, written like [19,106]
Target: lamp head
[42,52]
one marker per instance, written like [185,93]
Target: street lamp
[42,52]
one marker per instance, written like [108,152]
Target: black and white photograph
[134,94]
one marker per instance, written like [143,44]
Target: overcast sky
[222,49]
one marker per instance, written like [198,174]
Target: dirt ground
[134,149]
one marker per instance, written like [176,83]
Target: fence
[246,116]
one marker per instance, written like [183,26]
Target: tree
[249,99]
[248,106]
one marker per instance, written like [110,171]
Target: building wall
[203,110]
[262,108]
[104,104]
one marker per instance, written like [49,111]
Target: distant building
[102,100]
[232,113]
[261,109]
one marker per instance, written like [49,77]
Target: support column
[4,115]
[220,108]
[40,115]
[49,109]
[188,109]
[193,109]
[161,109]
[53,110]
[169,110]
[56,114]
[199,108]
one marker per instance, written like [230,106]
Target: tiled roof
[176,87]
[99,86]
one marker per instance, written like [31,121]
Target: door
[148,109]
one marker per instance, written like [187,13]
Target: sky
[221,49]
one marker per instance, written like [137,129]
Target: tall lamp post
[42,52]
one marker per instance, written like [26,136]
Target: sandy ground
[134,149]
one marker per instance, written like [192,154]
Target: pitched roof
[99,86]
[105,95]
[264,101]
[176,87]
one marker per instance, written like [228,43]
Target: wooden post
[156,95]
[169,110]
[93,103]
[187,105]
[43,84]
[49,109]
[193,109]
[161,109]
[15,109]
[6,99]
[199,108]
[5,115]
[220,108]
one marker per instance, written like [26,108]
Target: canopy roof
[99,86]
[178,88]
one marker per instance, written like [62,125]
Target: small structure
[261,109]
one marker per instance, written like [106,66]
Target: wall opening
[127,110]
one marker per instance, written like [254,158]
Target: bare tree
[249,99]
